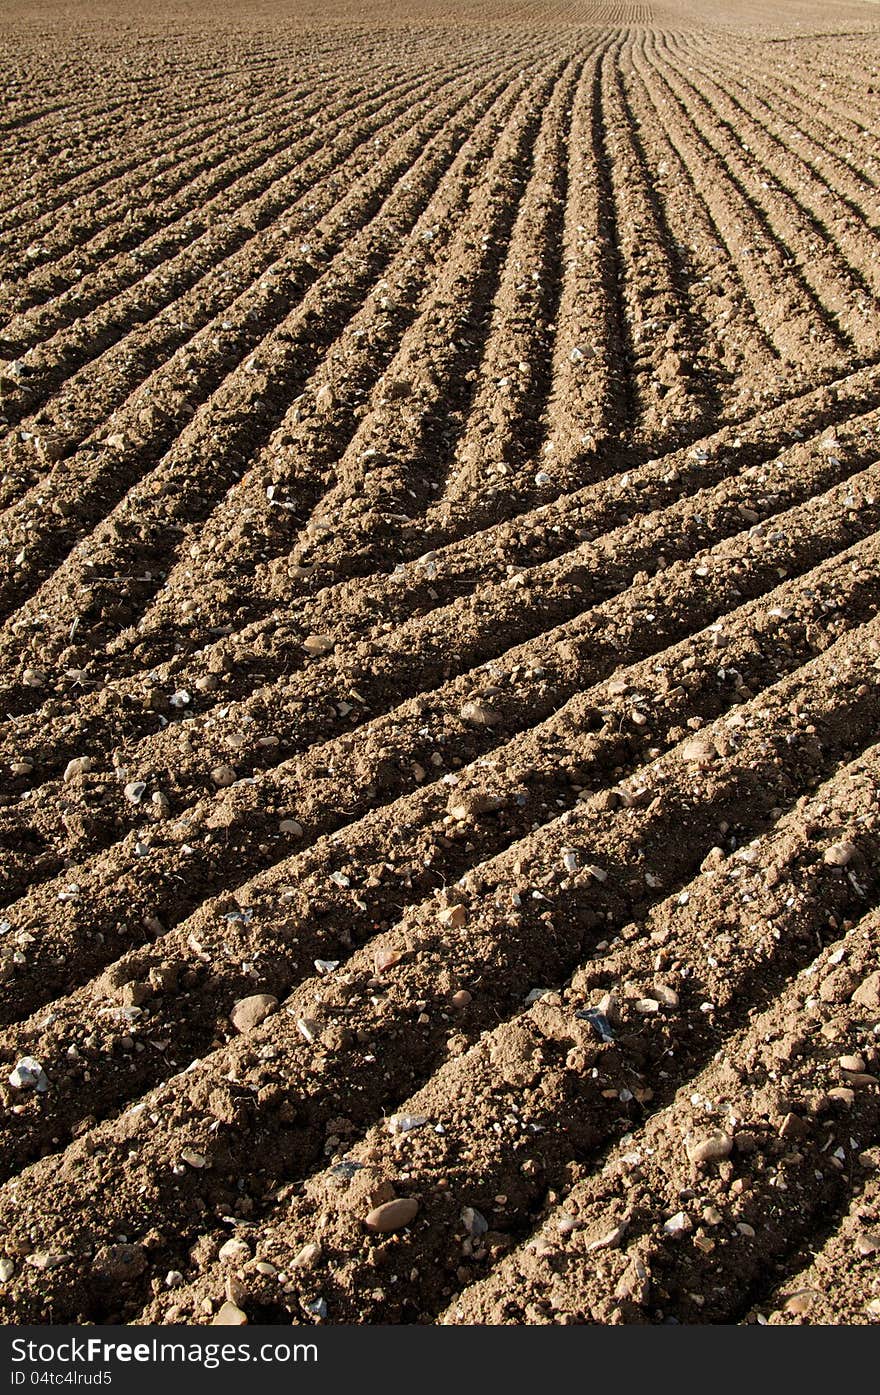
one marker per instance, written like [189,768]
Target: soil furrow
[593,740]
[783,1128]
[282,356]
[682,807]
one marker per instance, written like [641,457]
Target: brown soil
[440,595]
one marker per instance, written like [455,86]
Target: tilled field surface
[440,665]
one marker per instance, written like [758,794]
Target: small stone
[234,1251]
[7,1269]
[699,751]
[47,1259]
[843,1095]
[193,1159]
[867,995]
[852,1064]
[34,678]
[793,1127]
[248,1013]
[465,805]
[307,1257]
[292,828]
[407,1123]
[223,776]
[474,1221]
[384,959]
[840,854]
[868,1243]
[393,1215]
[462,998]
[134,791]
[711,1149]
[635,1283]
[28,1074]
[479,714]
[80,765]
[799,1303]
[454,917]
[679,1224]
[318,645]
[229,1316]
[610,1239]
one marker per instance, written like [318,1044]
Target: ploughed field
[440,664]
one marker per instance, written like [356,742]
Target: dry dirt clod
[700,751]
[319,645]
[840,854]
[121,1264]
[867,995]
[248,1013]
[223,776]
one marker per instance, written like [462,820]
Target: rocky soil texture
[440,663]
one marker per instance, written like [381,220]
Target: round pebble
[393,1215]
